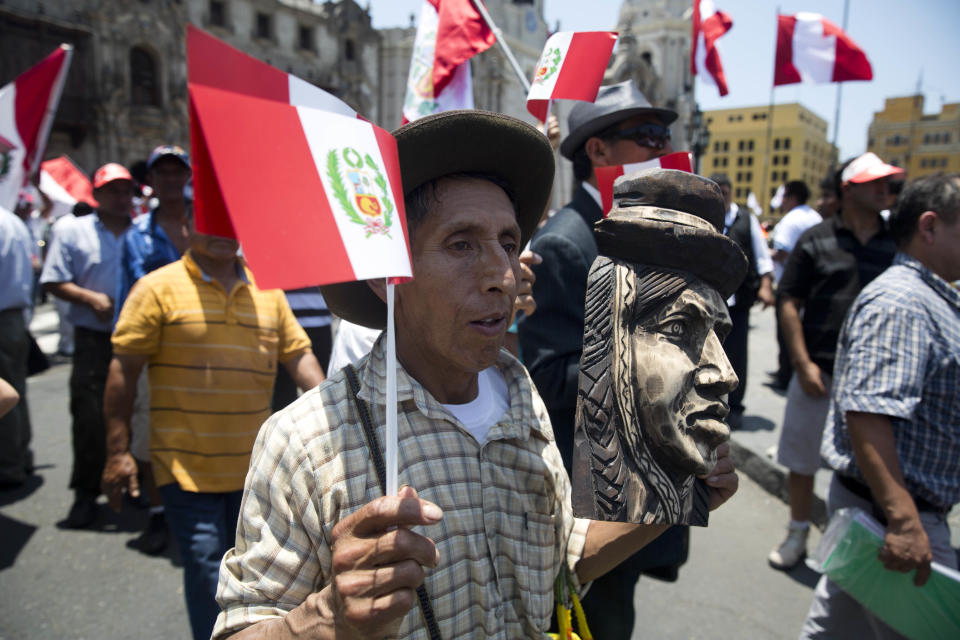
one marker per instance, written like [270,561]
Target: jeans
[204,526]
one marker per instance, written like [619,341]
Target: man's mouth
[490,324]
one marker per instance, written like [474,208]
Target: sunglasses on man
[649,134]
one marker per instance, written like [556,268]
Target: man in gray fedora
[483,524]
[620,127]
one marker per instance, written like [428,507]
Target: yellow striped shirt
[212,361]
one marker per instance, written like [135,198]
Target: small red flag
[461,34]
[813,49]
[708,25]
[570,67]
[606,176]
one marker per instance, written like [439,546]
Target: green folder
[847,554]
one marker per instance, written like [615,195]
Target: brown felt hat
[452,142]
[672,219]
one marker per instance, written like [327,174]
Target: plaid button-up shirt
[507,524]
[899,356]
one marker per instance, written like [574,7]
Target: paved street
[58,584]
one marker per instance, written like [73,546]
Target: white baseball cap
[867,168]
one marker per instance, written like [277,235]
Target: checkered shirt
[507,525]
[899,356]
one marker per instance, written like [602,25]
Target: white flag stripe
[304,94]
[54,190]
[12,180]
[813,54]
[543,90]
[370,256]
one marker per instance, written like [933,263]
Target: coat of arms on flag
[370,191]
[549,64]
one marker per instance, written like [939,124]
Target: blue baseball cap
[171,150]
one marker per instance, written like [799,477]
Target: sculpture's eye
[675,328]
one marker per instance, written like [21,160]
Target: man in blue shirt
[893,432]
[152,241]
[82,266]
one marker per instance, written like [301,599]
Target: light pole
[699,136]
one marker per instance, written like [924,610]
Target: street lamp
[699,136]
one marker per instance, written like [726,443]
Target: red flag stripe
[240,73]
[34,88]
[850,62]
[284,161]
[784,72]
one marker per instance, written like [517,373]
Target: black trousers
[16,459]
[91,360]
[735,347]
[284,388]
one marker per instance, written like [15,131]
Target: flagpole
[765,201]
[836,113]
[51,111]
[390,437]
[482,10]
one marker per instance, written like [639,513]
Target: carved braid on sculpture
[605,394]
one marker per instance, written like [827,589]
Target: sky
[906,42]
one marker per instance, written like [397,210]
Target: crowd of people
[178,399]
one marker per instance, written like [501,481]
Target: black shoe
[154,538]
[82,513]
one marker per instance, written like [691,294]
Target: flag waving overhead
[606,176]
[27,107]
[312,191]
[813,49]
[461,34]
[65,185]
[421,98]
[708,25]
[570,67]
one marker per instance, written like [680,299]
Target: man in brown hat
[483,521]
[620,127]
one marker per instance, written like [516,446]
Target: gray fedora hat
[456,142]
[614,103]
[672,219]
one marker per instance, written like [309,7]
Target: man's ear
[379,288]
[597,152]
[926,224]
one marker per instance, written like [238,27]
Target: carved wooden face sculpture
[651,405]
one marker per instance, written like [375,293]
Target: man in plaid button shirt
[893,432]
[320,552]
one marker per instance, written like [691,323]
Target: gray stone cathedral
[126,91]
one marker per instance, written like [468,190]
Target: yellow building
[798,149]
[922,144]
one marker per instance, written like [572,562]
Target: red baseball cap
[867,168]
[110,172]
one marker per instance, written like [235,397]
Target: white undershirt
[492,401]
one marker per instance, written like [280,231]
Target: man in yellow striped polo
[212,341]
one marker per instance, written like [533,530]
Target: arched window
[144,83]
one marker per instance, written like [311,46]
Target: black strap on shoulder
[374,446]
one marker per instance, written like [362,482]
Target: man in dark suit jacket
[620,127]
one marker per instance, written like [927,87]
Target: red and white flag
[65,185]
[708,25]
[811,48]
[450,32]
[27,107]
[312,191]
[571,67]
[606,176]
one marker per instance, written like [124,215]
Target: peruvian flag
[606,176]
[708,25]
[811,48]
[27,107]
[571,67]
[65,185]
[311,190]
[449,34]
